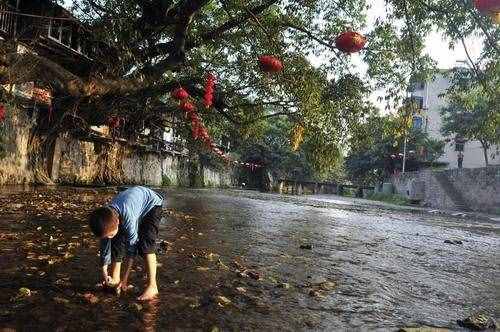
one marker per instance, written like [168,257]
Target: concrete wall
[477,189]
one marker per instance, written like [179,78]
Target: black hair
[99,220]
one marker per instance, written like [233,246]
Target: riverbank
[241,260]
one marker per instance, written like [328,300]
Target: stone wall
[476,189]
[15,162]
[213,178]
[75,162]
[89,163]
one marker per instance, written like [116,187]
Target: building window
[416,86]
[417,122]
[459,143]
[419,102]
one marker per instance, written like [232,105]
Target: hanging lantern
[187,107]
[487,6]
[208,97]
[180,94]
[2,113]
[270,64]
[350,42]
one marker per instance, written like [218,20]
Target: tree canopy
[146,48]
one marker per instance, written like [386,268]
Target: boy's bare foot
[150,293]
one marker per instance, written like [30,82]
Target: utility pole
[404,152]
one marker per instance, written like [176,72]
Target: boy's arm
[105,257]
[128,269]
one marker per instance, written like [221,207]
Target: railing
[7,19]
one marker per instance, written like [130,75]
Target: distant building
[430,100]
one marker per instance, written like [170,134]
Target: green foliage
[473,111]
[273,151]
[156,41]
[380,137]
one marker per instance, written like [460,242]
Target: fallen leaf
[61,300]
[202,268]
[222,300]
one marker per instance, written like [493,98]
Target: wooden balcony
[8,20]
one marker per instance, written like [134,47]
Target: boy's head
[104,222]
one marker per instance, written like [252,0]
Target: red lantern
[180,94]
[209,91]
[2,113]
[187,107]
[487,6]
[350,42]
[270,64]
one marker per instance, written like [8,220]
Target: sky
[435,46]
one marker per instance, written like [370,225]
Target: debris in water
[455,242]
[478,321]
[60,300]
[90,298]
[135,307]
[22,293]
[202,268]
[254,275]
[283,285]
[222,300]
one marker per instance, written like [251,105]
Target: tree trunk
[485,152]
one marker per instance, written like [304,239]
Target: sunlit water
[389,269]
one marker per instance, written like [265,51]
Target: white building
[429,97]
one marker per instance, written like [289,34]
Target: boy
[129,225]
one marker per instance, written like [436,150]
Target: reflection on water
[232,260]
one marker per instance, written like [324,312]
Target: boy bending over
[129,226]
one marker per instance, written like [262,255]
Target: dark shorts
[148,234]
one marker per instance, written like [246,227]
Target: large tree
[148,47]
[473,111]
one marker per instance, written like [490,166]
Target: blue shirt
[132,205]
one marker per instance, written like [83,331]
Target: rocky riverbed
[239,260]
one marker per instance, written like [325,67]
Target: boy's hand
[124,286]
